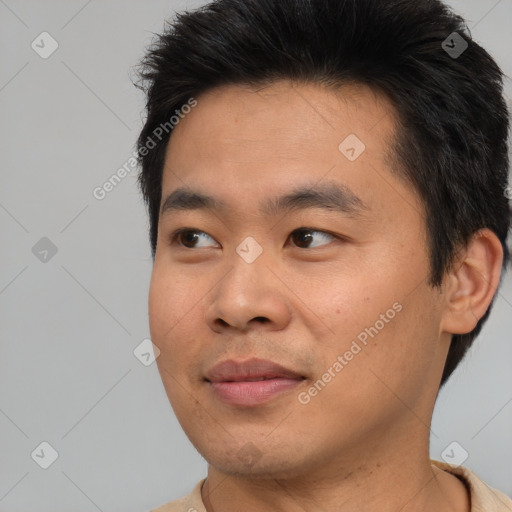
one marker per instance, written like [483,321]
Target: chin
[263,470]
[249,460]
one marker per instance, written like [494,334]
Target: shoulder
[190,503]
[484,498]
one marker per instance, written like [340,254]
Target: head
[351,119]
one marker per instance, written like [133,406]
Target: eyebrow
[328,196]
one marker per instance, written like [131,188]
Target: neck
[402,482]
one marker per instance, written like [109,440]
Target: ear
[472,283]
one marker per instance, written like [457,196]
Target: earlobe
[472,283]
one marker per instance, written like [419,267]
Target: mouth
[252,382]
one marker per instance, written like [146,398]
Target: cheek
[174,310]
[161,312]
[401,353]
[381,325]
[174,305]
[352,306]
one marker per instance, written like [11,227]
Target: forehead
[291,116]
[245,141]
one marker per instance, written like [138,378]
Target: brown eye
[189,238]
[304,238]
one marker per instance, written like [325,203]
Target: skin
[362,442]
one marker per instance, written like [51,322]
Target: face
[289,294]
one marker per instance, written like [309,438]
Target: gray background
[68,326]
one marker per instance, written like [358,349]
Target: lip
[251,382]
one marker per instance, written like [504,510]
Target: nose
[248,297]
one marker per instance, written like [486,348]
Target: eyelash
[176,235]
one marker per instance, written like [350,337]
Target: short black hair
[453,123]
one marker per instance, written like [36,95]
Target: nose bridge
[248,275]
[247,291]
[250,250]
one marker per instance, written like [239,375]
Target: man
[326,188]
